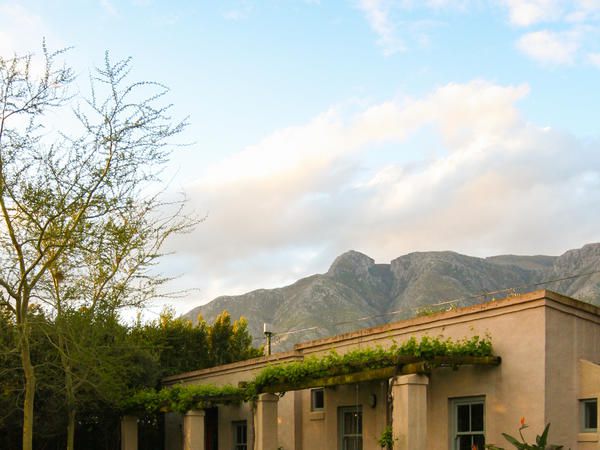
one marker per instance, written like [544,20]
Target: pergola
[408,376]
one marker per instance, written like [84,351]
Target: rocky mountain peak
[355,287]
[351,262]
[589,253]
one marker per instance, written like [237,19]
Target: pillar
[409,412]
[173,431]
[265,422]
[193,430]
[129,433]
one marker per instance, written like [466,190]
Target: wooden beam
[451,361]
[336,380]
[406,366]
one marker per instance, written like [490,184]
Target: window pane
[352,423]
[348,425]
[467,423]
[464,443]
[591,414]
[240,430]
[479,441]
[477,417]
[462,418]
[318,399]
[352,443]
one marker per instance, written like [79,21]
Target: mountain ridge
[356,287]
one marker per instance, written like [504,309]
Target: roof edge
[528,297]
[235,366]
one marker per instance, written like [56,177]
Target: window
[589,415]
[240,435]
[317,399]
[468,424]
[350,425]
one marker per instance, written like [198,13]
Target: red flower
[522,421]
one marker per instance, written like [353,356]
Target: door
[211,429]
[350,427]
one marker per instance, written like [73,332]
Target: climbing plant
[183,398]
[427,348]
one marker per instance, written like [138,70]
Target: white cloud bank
[551,47]
[568,33]
[459,169]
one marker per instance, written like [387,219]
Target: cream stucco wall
[320,428]
[572,335]
[511,390]
[588,388]
[540,336]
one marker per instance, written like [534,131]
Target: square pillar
[193,430]
[173,431]
[129,433]
[409,412]
[265,422]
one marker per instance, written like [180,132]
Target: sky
[382,126]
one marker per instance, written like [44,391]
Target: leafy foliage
[182,398]
[541,441]
[180,346]
[386,440]
[371,358]
[134,359]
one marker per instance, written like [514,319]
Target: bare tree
[81,221]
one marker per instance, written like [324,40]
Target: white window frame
[234,426]
[582,414]
[453,407]
[313,402]
[341,431]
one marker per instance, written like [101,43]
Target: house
[546,369]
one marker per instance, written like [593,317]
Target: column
[265,422]
[129,433]
[409,415]
[193,430]
[173,431]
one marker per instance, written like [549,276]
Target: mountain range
[356,292]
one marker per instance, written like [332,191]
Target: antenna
[268,332]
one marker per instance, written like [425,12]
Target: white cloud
[570,26]
[548,45]
[594,59]
[529,12]
[378,14]
[285,207]
[525,13]
[385,17]
[551,47]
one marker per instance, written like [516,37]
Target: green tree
[78,205]
[230,342]
[177,345]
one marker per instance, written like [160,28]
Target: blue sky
[384,126]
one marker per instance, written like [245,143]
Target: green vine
[386,440]
[182,398]
[370,358]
